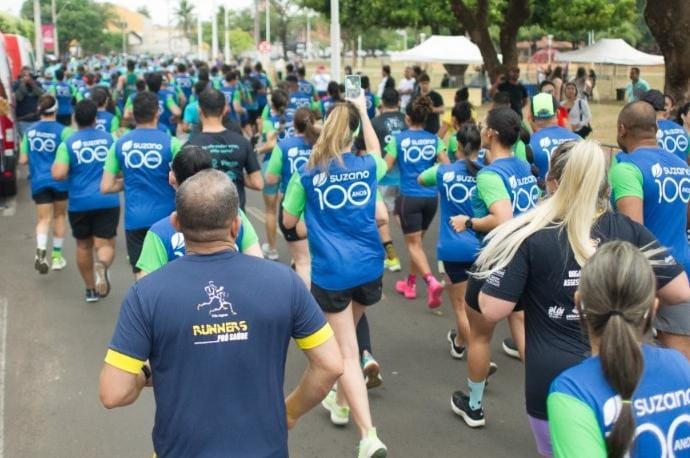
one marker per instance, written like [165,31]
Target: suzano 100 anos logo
[336,191]
[525,192]
[87,152]
[138,155]
[673,183]
[418,150]
[458,188]
[41,142]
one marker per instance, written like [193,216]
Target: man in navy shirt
[215,334]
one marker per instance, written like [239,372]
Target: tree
[144,11]
[83,20]
[11,24]
[185,18]
[668,21]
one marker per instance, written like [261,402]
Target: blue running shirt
[40,143]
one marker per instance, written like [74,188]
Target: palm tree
[185,17]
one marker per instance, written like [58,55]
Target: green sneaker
[371,446]
[371,370]
[59,262]
[392,265]
[339,415]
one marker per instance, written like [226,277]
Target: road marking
[256,213]
[3,351]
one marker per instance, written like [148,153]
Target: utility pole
[335,40]
[268,21]
[198,37]
[256,23]
[38,39]
[308,34]
[56,45]
[226,50]
[214,32]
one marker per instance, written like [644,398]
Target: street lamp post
[214,32]
[268,21]
[308,35]
[335,40]
[226,50]
[38,37]
[198,36]
[123,25]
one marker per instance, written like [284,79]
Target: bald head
[207,204]
[638,118]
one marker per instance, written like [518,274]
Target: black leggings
[363,336]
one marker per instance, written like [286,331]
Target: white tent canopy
[613,51]
[442,49]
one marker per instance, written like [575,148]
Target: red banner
[48,32]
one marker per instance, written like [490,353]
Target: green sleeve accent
[452,150]
[114,125]
[52,90]
[379,196]
[574,428]
[62,155]
[392,149]
[520,150]
[175,146]
[428,177]
[381,166]
[112,164]
[626,181]
[129,104]
[316,106]
[295,196]
[275,164]
[236,97]
[66,132]
[24,146]
[170,102]
[249,236]
[153,253]
[266,113]
[268,127]
[377,101]
[440,146]
[78,96]
[490,188]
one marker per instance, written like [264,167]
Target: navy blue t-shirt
[216,334]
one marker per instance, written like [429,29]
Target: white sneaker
[269,253]
[339,415]
[371,446]
[59,262]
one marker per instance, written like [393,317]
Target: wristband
[147,372]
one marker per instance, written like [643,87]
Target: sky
[158,8]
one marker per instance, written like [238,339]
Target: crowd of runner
[581,251]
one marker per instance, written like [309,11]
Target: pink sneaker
[434,291]
[410,292]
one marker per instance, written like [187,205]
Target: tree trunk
[516,15]
[458,71]
[354,51]
[476,22]
[669,21]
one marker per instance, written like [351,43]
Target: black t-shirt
[517,93]
[543,277]
[385,125]
[232,154]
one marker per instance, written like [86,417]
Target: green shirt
[625,180]
[574,429]
[154,254]
[112,163]
[275,164]
[490,188]
[296,198]
[428,177]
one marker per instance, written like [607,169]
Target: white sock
[41,241]
[57,243]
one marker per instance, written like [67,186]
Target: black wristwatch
[469,224]
[147,372]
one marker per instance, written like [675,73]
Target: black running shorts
[101,223]
[337,301]
[48,196]
[135,241]
[415,213]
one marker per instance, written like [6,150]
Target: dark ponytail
[617,291]
[47,105]
[470,139]
[419,110]
[506,123]
[279,100]
[304,124]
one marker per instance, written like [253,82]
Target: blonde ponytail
[335,137]
[574,207]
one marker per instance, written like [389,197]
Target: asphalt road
[52,346]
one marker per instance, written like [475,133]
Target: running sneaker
[509,348]
[434,290]
[339,415]
[456,351]
[270,253]
[460,403]
[372,371]
[392,265]
[91,295]
[59,262]
[410,292]
[102,279]
[41,261]
[371,446]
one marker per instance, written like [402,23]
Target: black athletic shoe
[510,349]
[91,295]
[457,352]
[460,403]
